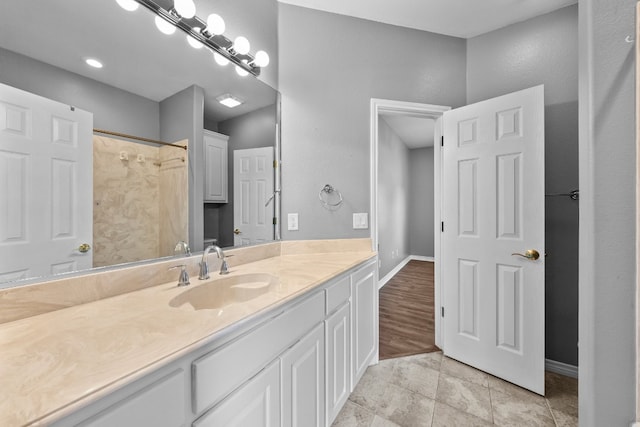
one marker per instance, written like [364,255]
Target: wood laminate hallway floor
[407,312]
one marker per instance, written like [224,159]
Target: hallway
[407,312]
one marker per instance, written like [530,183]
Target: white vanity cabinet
[364,320]
[303,369]
[292,366]
[256,403]
[338,346]
[216,185]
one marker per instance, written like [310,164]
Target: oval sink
[225,291]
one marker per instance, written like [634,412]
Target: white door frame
[387,106]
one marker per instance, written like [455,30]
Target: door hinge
[441,311]
[442,226]
[442,141]
[275,164]
[275,220]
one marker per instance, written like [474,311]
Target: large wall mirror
[144,197]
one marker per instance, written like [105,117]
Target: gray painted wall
[327,79]
[113,109]
[544,50]
[607,214]
[421,214]
[393,199]
[252,130]
[182,116]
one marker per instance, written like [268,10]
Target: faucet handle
[183,279]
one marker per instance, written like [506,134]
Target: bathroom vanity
[281,340]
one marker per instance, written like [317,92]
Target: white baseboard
[399,267]
[561,368]
[421,258]
[393,272]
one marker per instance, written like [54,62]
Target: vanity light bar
[218,43]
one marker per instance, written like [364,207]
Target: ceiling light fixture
[215,25]
[210,34]
[93,63]
[220,60]
[185,8]
[229,100]
[128,5]
[193,42]
[165,27]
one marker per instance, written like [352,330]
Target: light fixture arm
[218,43]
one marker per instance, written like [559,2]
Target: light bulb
[220,60]
[241,45]
[196,44]
[241,71]
[128,5]
[215,24]
[185,8]
[261,59]
[164,26]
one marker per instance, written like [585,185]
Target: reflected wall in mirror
[151,86]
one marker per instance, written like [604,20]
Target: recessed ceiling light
[93,63]
[229,100]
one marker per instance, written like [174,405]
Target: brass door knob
[237,231]
[531,254]
[85,247]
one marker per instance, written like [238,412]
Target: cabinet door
[364,294]
[255,404]
[215,168]
[338,342]
[160,404]
[303,381]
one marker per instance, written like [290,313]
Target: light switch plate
[292,222]
[360,221]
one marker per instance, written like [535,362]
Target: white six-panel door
[253,180]
[493,206]
[46,186]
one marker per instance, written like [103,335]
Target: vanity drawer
[337,294]
[218,373]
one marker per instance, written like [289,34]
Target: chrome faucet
[204,266]
[182,246]
[183,279]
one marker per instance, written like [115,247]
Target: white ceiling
[458,18]
[415,132]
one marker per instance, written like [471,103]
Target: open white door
[46,186]
[253,179]
[493,209]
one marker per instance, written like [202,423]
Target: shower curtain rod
[139,138]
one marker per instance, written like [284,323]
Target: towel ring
[328,190]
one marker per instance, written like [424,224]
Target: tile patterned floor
[433,390]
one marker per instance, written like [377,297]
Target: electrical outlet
[292,222]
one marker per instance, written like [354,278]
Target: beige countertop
[56,362]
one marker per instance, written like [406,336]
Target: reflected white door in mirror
[216,188]
[45,186]
[253,187]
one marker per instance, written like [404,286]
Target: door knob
[237,231]
[84,248]
[531,254]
